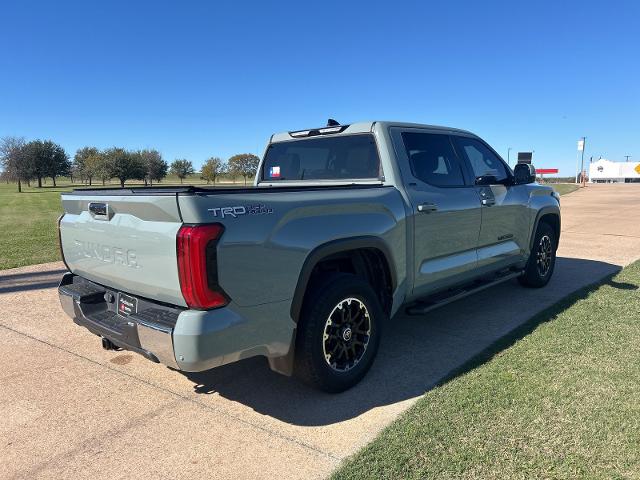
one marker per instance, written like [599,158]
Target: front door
[446,209]
[505,220]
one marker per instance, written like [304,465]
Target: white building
[606,171]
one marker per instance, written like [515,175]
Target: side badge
[239,210]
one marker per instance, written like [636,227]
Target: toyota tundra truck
[344,226]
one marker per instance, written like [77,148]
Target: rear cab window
[433,159]
[322,158]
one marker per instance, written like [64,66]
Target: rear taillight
[198,267]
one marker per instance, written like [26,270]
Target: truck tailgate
[124,241]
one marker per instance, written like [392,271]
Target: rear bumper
[183,339]
[93,306]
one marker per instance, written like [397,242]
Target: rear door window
[327,158]
[433,159]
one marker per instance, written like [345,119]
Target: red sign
[542,171]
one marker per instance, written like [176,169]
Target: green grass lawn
[561,402]
[563,188]
[28,225]
[28,232]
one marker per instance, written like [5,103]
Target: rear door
[446,208]
[124,241]
[505,220]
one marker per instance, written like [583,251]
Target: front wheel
[338,333]
[542,259]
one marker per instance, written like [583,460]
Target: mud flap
[284,364]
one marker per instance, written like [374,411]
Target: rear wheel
[338,333]
[542,258]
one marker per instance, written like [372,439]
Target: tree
[181,168]
[33,160]
[85,162]
[245,164]
[46,159]
[101,167]
[13,161]
[124,165]
[212,169]
[155,166]
[56,161]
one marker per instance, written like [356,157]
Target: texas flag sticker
[274,172]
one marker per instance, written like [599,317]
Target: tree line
[26,162]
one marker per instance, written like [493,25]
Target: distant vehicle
[345,225]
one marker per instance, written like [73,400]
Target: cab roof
[358,127]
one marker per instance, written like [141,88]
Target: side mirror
[487,180]
[524,173]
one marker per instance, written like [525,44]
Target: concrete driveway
[71,410]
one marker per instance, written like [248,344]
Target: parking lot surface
[73,410]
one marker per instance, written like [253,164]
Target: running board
[439,300]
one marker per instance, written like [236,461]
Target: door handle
[427,207]
[487,198]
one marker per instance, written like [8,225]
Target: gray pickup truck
[344,225]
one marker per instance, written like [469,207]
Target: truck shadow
[416,353]
[18,282]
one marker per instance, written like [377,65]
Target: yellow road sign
[637,169]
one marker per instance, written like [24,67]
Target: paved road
[70,409]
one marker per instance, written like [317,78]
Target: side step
[440,299]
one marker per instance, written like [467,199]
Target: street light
[584,140]
[581,144]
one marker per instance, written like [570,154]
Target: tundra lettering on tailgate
[107,253]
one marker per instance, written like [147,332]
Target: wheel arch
[550,216]
[355,249]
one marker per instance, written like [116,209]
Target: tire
[338,333]
[542,259]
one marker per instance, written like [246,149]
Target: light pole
[584,140]
[581,144]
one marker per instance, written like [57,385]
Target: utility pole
[627,157]
[581,144]
[584,141]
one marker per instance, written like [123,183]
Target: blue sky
[196,79]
